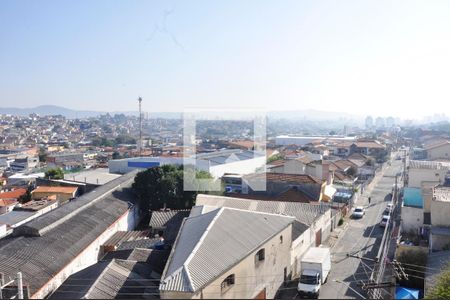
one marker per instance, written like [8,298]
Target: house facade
[226,253]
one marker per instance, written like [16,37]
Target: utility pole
[19,285]
[140,127]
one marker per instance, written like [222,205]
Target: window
[260,255]
[281,239]
[227,283]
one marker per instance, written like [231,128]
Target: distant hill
[45,110]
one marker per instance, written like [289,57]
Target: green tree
[42,154]
[125,139]
[274,158]
[25,197]
[352,171]
[442,289]
[116,155]
[55,173]
[164,186]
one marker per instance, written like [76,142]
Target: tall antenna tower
[140,127]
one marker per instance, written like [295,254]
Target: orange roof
[7,202]
[13,194]
[55,189]
[292,178]
[242,143]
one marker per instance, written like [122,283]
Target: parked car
[390,206]
[359,212]
[384,220]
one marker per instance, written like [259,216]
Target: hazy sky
[377,57]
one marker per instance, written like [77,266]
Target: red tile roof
[8,202]
[13,194]
[292,178]
[55,189]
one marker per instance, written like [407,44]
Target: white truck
[315,266]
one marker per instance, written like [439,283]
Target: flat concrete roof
[98,176]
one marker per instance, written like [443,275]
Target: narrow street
[362,237]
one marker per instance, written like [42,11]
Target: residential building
[66,160]
[370,147]
[312,226]
[68,239]
[440,150]
[430,171]
[8,200]
[62,193]
[283,140]
[440,221]
[222,250]
[26,163]
[412,212]
[276,184]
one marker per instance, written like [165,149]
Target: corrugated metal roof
[304,212]
[110,280]
[209,244]
[39,258]
[427,164]
[160,219]
[125,236]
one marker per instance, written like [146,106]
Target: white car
[384,221]
[390,206]
[358,212]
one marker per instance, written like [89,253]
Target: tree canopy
[159,186]
[55,173]
[442,289]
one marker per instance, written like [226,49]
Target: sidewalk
[334,236]
[369,188]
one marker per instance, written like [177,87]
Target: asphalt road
[362,237]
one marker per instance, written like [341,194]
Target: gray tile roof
[303,212]
[51,220]
[16,216]
[169,222]
[160,219]
[156,258]
[144,243]
[114,279]
[211,243]
[41,256]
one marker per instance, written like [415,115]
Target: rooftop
[289,178]
[304,213]
[110,279]
[14,217]
[13,194]
[55,189]
[441,193]
[8,202]
[426,164]
[412,197]
[44,246]
[96,176]
[230,234]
